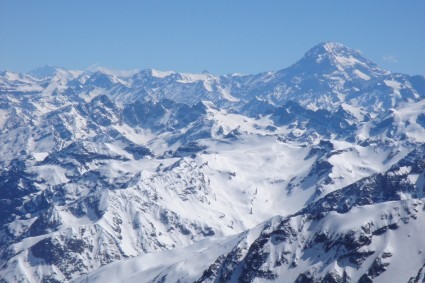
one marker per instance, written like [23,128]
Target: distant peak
[48,66]
[161,74]
[112,72]
[327,57]
[44,71]
[333,48]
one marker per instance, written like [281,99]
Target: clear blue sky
[221,36]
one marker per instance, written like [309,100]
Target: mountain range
[312,173]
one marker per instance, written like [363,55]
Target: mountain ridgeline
[313,173]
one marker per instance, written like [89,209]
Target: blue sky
[221,36]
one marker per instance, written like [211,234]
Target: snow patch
[361,75]
[4,115]
[396,86]
[161,74]
[40,156]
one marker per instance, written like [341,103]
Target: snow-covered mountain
[369,231]
[310,173]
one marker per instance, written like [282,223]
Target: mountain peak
[331,46]
[328,57]
[44,71]
[334,51]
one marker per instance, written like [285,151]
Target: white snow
[191,78]
[355,111]
[52,174]
[40,156]
[405,245]
[4,114]
[396,86]
[361,75]
[161,74]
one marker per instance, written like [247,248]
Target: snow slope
[374,238]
